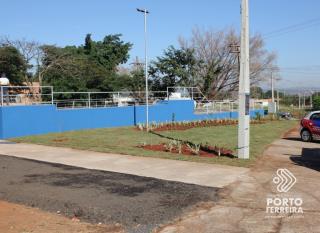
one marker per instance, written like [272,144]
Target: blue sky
[67,22]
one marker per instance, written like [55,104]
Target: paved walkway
[188,172]
[242,207]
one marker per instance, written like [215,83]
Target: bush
[316,103]
[258,116]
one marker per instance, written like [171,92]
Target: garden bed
[190,150]
[185,125]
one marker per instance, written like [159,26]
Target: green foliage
[137,80]
[88,67]
[316,103]
[12,64]
[175,67]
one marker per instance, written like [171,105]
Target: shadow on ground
[310,158]
[292,139]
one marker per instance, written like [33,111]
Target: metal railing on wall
[104,99]
[36,95]
[25,95]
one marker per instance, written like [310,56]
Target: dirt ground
[21,219]
[138,204]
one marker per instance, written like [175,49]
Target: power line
[314,67]
[299,72]
[293,28]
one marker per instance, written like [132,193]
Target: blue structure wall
[18,121]
[1,134]
[27,120]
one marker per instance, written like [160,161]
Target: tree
[175,67]
[61,68]
[88,44]
[137,79]
[12,64]
[30,51]
[110,52]
[218,69]
[316,103]
[256,92]
[92,66]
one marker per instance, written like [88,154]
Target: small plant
[140,127]
[170,145]
[143,144]
[195,148]
[178,145]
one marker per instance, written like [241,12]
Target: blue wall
[18,121]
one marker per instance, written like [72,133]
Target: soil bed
[207,151]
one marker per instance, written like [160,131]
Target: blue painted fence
[18,121]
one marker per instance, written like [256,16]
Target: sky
[66,22]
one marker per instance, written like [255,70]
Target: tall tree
[12,64]
[110,52]
[30,51]
[218,69]
[88,44]
[175,67]
[92,66]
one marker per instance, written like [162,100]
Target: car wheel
[306,135]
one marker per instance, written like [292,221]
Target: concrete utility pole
[145,12]
[278,101]
[244,86]
[272,87]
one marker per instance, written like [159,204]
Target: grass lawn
[126,139]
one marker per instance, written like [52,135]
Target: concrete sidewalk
[242,205]
[188,172]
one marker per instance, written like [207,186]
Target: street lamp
[145,12]
[4,82]
[244,86]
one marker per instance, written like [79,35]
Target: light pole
[145,12]
[4,82]
[244,86]
[272,87]
[299,100]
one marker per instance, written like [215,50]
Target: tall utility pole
[272,87]
[278,101]
[145,12]
[244,86]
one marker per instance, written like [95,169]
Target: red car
[310,127]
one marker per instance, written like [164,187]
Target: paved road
[210,175]
[242,207]
[139,204]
